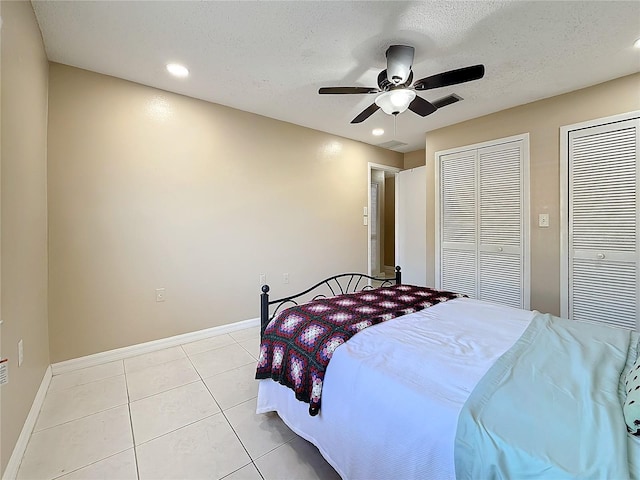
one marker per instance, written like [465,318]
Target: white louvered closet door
[458,222]
[604,253]
[501,217]
[483,214]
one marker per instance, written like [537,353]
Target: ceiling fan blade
[452,77]
[448,100]
[420,106]
[366,113]
[346,90]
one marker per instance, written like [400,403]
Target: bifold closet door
[501,223]
[458,223]
[604,253]
[482,219]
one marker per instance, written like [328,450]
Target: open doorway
[382,209]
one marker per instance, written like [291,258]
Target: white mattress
[392,394]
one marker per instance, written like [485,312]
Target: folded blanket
[551,407]
[298,344]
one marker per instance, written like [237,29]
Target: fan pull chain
[395,122]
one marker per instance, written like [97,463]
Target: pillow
[631,407]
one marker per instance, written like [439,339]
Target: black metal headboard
[336,285]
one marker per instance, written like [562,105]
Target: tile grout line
[244,466]
[239,440]
[278,446]
[165,391]
[133,434]
[24,454]
[111,408]
[155,364]
[234,430]
[182,426]
[79,418]
[200,379]
[227,420]
[253,359]
[87,465]
[179,428]
[205,384]
[57,390]
[129,402]
[207,350]
[229,423]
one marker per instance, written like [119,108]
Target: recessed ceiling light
[637,43]
[177,70]
[377,132]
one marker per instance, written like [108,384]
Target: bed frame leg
[264,309]
[398,276]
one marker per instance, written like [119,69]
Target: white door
[604,260]
[458,223]
[482,223]
[501,224]
[411,246]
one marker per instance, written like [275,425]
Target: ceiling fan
[396,94]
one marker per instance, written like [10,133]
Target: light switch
[365,211]
[543,220]
[160,294]
[365,220]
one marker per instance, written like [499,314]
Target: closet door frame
[564,197]
[526,214]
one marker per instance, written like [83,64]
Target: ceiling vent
[393,144]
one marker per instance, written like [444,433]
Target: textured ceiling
[270,58]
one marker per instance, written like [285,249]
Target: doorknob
[499,249]
[600,256]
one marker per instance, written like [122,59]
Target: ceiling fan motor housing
[399,62]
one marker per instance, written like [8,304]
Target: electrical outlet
[263,279]
[543,220]
[285,278]
[20,353]
[160,294]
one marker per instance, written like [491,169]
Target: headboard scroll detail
[332,286]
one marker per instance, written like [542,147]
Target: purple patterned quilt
[299,342]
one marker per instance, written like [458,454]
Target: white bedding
[392,394]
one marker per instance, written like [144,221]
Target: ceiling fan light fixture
[395,101]
[377,132]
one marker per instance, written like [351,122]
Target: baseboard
[11,472]
[141,348]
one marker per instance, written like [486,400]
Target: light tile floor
[185,412]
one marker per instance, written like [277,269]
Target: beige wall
[414,159]
[149,189]
[24,214]
[542,120]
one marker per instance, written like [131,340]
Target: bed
[466,389]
